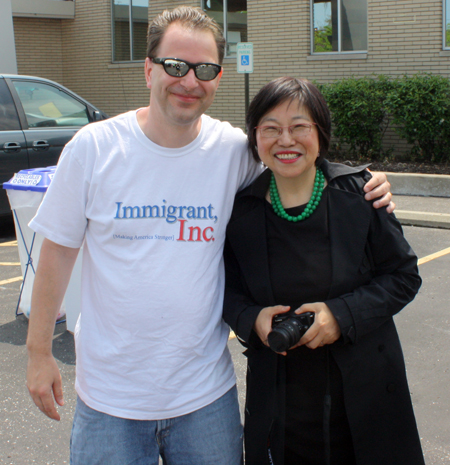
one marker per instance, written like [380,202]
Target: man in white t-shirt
[148,194]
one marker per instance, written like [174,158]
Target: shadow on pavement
[64,347]
[15,333]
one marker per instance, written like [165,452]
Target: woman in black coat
[303,239]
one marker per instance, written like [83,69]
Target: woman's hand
[263,322]
[379,186]
[325,329]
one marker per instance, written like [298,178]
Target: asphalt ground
[28,437]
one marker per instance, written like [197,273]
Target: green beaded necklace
[319,182]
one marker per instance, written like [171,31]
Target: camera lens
[285,335]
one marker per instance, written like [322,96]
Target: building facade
[97,47]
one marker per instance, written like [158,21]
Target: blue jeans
[211,435]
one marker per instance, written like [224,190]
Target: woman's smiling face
[288,155]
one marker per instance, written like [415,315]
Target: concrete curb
[424,219]
[428,185]
[425,186]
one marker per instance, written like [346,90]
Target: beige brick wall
[405,37]
[88,68]
[83,61]
[39,47]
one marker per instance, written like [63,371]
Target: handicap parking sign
[244,57]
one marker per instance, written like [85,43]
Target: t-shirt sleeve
[61,216]
[250,170]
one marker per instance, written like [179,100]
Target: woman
[340,394]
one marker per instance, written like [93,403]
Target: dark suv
[37,118]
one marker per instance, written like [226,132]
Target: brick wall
[39,47]
[88,67]
[404,36]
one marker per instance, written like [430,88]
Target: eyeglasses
[296,130]
[179,68]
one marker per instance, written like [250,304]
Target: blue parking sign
[245,60]
[244,51]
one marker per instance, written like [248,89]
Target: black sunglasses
[179,68]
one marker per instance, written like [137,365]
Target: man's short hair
[190,18]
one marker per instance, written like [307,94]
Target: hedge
[418,107]
[359,114]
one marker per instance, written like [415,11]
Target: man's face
[181,101]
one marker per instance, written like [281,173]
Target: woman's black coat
[374,275]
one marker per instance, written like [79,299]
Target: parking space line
[433,256]
[12,280]
[8,244]
[9,263]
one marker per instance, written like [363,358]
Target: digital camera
[288,329]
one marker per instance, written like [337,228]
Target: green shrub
[359,114]
[420,109]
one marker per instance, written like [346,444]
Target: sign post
[245,65]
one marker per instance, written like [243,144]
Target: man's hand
[263,322]
[324,330]
[44,383]
[50,284]
[379,188]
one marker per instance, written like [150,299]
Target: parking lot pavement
[28,437]
[424,328]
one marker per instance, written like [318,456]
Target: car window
[9,120]
[48,106]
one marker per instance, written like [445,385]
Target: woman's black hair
[277,92]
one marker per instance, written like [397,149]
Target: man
[149,194]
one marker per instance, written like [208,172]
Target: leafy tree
[321,39]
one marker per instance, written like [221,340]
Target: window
[231,15]
[446,31]
[48,106]
[9,120]
[339,26]
[130,24]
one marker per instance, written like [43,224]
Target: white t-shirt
[150,342]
